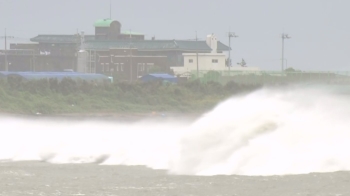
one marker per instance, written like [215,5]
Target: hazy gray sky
[319,28]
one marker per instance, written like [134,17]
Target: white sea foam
[268,132]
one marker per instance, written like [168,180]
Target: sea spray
[267,132]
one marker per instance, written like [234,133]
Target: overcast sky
[319,28]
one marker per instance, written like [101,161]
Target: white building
[206,62]
[213,61]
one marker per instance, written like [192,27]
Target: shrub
[53,96]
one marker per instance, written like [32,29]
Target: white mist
[268,132]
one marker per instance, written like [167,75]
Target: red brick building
[127,55]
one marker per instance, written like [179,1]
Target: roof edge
[103,23]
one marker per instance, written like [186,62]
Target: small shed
[159,77]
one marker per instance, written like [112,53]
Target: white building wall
[205,63]
[82,61]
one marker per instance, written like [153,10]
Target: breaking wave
[267,132]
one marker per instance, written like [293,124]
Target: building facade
[214,60]
[110,51]
[206,62]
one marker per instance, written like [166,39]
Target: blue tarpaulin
[54,75]
[159,77]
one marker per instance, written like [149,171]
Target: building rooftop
[103,23]
[154,45]
[60,39]
[72,39]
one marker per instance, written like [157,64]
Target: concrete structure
[110,51]
[206,61]
[214,60]
[124,64]
[82,64]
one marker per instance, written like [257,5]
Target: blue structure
[55,75]
[159,77]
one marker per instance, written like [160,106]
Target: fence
[270,77]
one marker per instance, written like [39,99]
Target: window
[190,60]
[149,66]
[103,67]
[215,61]
[141,66]
[117,66]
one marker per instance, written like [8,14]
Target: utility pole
[6,63]
[284,36]
[130,59]
[6,37]
[197,57]
[230,35]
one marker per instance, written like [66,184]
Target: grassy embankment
[68,96]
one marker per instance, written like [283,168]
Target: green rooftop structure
[103,23]
[108,29]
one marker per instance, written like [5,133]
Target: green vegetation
[69,96]
[271,78]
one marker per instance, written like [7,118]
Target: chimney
[212,42]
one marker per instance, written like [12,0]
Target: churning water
[267,132]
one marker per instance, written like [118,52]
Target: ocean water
[268,132]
